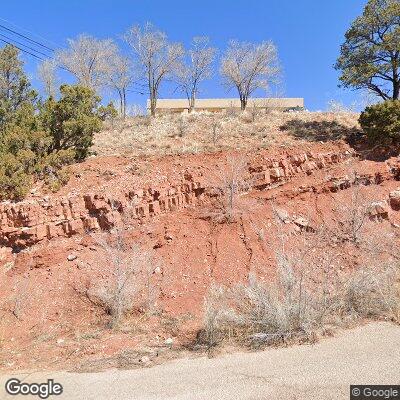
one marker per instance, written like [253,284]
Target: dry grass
[206,132]
[313,292]
[294,309]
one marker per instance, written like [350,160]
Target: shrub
[25,156]
[17,99]
[125,285]
[38,147]
[39,144]
[381,122]
[108,112]
[14,179]
[228,187]
[291,307]
[72,120]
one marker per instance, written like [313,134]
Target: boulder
[394,199]
[379,209]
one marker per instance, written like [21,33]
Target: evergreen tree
[370,57]
[17,98]
[72,120]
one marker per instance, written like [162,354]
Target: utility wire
[22,44]
[134,91]
[9,40]
[25,51]
[34,55]
[26,37]
[26,30]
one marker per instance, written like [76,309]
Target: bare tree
[47,74]
[88,59]
[157,58]
[119,77]
[248,67]
[190,75]
[229,184]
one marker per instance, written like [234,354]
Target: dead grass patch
[293,309]
[208,132]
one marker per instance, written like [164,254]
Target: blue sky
[308,33]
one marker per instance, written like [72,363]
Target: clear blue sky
[308,33]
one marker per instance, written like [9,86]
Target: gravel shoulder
[368,354]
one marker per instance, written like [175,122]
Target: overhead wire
[30,32]
[26,38]
[25,51]
[39,54]
[24,45]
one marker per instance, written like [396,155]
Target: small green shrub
[381,122]
[72,120]
[25,156]
[108,112]
[14,179]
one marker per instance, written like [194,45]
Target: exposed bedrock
[28,222]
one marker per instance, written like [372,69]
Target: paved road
[366,355]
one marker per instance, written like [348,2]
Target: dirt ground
[366,355]
[47,319]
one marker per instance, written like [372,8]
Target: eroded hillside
[200,220]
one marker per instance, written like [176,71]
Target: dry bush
[231,112]
[215,127]
[372,292]
[313,292]
[254,112]
[229,184]
[292,308]
[182,126]
[353,215]
[336,106]
[126,285]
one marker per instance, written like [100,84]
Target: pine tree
[17,98]
[370,56]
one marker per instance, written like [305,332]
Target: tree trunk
[153,103]
[121,104]
[152,93]
[124,103]
[396,89]
[243,103]
[192,101]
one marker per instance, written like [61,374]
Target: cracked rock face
[29,222]
[293,199]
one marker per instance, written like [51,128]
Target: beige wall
[214,105]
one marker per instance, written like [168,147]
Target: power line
[12,41]
[134,91]
[25,51]
[22,44]
[32,54]
[27,31]
[26,37]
